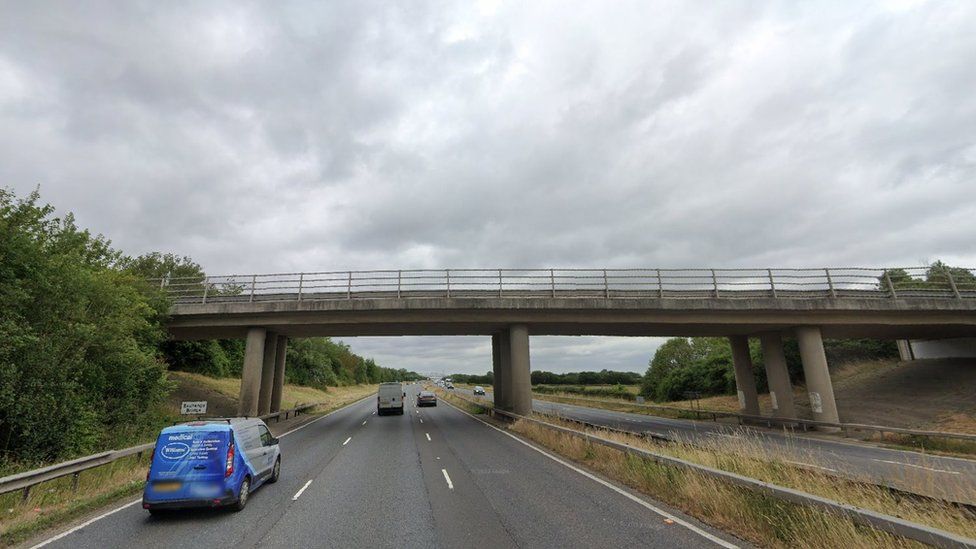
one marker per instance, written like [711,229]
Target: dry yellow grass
[292,396]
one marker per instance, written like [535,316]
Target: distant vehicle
[426,398]
[479,390]
[210,463]
[390,398]
[449,385]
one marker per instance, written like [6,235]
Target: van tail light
[229,468]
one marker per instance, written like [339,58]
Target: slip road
[433,477]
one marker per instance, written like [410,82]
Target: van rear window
[192,445]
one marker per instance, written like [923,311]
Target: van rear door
[188,463]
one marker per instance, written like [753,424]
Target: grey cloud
[307,136]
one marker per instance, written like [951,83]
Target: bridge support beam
[518,392]
[777,375]
[251,374]
[745,381]
[819,387]
[278,387]
[267,373]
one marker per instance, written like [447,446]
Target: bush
[79,338]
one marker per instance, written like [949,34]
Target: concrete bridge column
[819,386]
[281,347]
[502,388]
[745,382]
[777,376]
[251,374]
[519,380]
[267,373]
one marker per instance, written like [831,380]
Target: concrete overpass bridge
[511,305]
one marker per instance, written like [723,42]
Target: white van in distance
[390,399]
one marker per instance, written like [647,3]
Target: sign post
[193,407]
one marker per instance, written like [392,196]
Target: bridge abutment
[278,385]
[251,372]
[745,381]
[777,375]
[819,387]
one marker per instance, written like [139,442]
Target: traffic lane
[543,503]
[303,451]
[457,503]
[936,476]
[372,494]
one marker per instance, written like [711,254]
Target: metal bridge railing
[839,283]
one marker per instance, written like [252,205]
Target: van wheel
[245,493]
[276,472]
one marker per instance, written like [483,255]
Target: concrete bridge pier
[745,382]
[251,374]
[278,386]
[518,378]
[777,375]
[267,372]
[819,387]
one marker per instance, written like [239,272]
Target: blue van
[210,463]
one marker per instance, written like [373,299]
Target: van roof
[210,424]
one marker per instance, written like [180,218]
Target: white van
[390,398]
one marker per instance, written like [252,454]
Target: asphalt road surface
[942,477]
[433,477]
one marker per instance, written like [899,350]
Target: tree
[79,364]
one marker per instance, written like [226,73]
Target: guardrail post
[715,282]
[254,282]
[349,286]
[952,282]
[552,281]
[606,284]
[74,481]
[206,288]
[447,274]
[891,286]
[772,285]
[830,283]
[301,282]
[399,279]
[25,493]
[499,282]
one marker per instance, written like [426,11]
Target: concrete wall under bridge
[267,317]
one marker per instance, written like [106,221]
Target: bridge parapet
[678,284]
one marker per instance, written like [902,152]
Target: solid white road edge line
[450,485]
[625,493]
[299,493]
[917,466]
[82,525]
[131,503]
[810,465]
[347,441]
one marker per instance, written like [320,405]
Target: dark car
[426,398]
[479,390]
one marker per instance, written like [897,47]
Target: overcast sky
[287,136]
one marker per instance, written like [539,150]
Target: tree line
[83,348]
